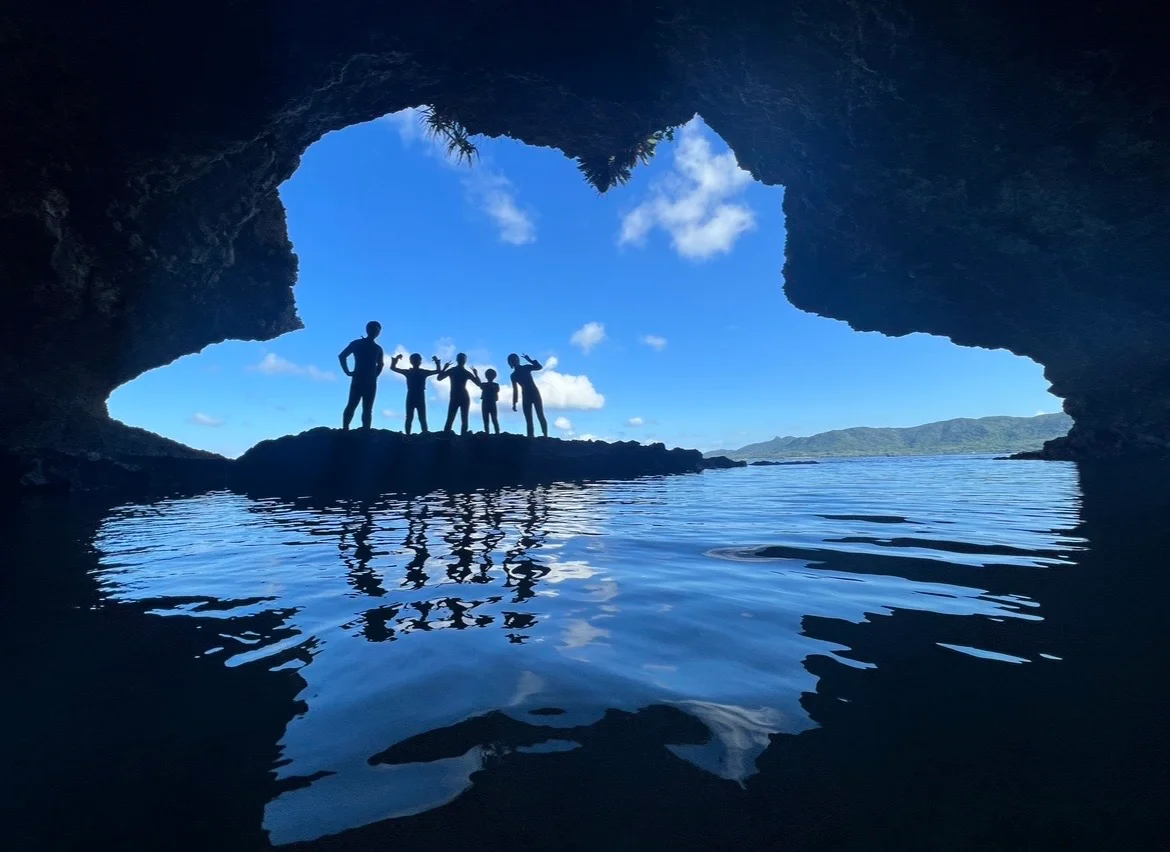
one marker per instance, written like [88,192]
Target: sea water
[874,653]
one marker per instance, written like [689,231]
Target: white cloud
[588,437]
[485,188]
[588,336]
[564,424]
[273,365]
[695,203]
[654,341]
[635,421]
[205,420]
[492,193]
[562,391]
[386,412]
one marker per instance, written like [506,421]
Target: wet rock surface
[329,461]
[988,171]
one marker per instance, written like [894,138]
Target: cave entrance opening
[656,309]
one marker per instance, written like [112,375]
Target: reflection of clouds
[527,686]
[740,735]
[578,633]
[558,572]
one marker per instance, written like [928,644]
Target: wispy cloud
[273,365]
[696,202]
[635,421]
[564,424]
[486,188]
[200,419]
[588,336]
[654,341]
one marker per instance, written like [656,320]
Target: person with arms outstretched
[368,361]
[522,378]
[460,399]
[416,388]
[488,400]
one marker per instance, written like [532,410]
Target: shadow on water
[221,728]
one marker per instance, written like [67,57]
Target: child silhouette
[460,400]
[487,402]
[416,383]
[522,378]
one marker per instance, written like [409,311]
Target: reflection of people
[522,378]
[488,401]
[416,385]
[367,366]
[460,399]
[361,576]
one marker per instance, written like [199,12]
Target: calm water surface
[903,653]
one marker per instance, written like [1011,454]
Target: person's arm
[535,364]
[475,378]
[444,371]
[394,365]
[438,367]
[381,364]
[345,353]
[515,392]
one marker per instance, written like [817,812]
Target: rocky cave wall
[989,171]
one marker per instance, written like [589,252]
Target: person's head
[373,329]
[491,374]
[513,360]
[461,359]
[415,359]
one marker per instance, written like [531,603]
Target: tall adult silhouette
[522,378]
[416,387]
[368,361]
[460,402]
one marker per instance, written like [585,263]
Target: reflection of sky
[582,598]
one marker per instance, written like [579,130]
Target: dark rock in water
[54,471]
[111,457]
[721,463]
[329,461]
[770,463]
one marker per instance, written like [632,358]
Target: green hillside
[947,437]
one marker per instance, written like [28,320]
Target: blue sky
[658,305]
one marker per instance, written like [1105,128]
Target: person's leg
[539,403]
[355,395]
[368,394]
[422,415]
[410,406]
[464,413]
[452,409]
[496,419]
[486,411]
[528,416]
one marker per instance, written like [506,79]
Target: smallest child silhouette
[487,402]
[416,383]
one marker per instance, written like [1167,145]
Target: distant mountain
[947,437]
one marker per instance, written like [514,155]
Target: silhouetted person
[522,378]
[488,401]
[460,399]
[416,388]
[367,366]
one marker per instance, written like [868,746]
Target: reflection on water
[814,656]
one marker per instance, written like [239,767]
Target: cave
[984,171]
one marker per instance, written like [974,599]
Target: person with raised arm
[460,399]
[522,378]
[368,362]
[416,388]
